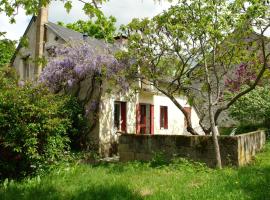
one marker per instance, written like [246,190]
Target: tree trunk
[189,125]
[190,128]
[215,134]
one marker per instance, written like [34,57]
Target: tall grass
[177,180]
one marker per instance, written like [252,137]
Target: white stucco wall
[108,134]
[25,51]
[52,38]
[175,116]
[30,50]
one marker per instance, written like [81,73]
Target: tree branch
[239,95]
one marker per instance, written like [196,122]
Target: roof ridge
[64,32]
[50,22]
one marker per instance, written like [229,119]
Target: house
[145,112]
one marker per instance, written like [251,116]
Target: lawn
[178,180]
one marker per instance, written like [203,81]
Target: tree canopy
[253,109]
[204,47]
[31,7]
[100,28]
[7,49]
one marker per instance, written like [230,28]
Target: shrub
[35,126]
[159,160]
[252,111]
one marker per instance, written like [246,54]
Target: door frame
[151,118]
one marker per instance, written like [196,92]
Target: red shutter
[160,116]
[124,116]
[165,117]
[137,118]
[152,119]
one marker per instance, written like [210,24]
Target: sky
[123,10]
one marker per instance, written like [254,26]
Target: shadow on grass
[99,192]
[255,182]
[20,193]
[115,192]
[120,167]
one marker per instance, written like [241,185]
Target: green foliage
[253,110]
[11,8]
[159,160]
[202,49]
[68,6]
[7,49]
[100,28]
[179,180]
[35,126]
[24,41]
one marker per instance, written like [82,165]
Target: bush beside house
[252,111]
[36,126]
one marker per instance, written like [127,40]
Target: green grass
[178,180]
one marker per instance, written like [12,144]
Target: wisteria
[71,63]
[243,75]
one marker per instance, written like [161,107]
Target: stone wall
[235,150]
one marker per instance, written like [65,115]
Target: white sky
[123,10]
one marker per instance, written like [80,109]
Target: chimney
[42,19]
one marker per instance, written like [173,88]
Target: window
[120,116]
[164,117]
[26,68]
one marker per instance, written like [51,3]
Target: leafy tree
[101,28]
[31,7]
[7,49]
[11,8]
[199,44]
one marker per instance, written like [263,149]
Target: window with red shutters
[163,117]
[120,116]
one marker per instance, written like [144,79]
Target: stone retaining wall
[235,150]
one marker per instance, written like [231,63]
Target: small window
[164,117]
[26,68]
[120,116]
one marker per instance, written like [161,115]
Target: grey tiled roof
[65,33]
[71,35]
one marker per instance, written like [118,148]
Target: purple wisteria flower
[72,62]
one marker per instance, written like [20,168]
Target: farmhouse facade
[144,112]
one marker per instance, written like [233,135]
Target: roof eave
[20,45]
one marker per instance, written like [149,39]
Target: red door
[142,122]
[141,119]
[144,125]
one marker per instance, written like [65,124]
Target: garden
[215,54]
[180,179]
